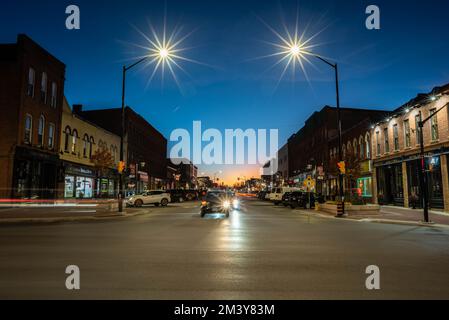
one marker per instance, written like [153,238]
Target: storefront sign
[143,176]
[78,170]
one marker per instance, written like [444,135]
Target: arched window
[113,153]
[354,147]
[40,131]
[362,148]
[44,88]
[91,145]
[67,134]
[74,140]
[85,145]
[28,129]
[368,146]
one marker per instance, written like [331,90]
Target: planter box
[368,210]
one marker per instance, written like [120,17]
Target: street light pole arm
[333,65]
[433,114]
[135,64]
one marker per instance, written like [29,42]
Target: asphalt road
[261,252]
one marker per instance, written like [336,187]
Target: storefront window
[365,186]
[84,187]
[69,186]
[104,186]
[111,188]
[435,183]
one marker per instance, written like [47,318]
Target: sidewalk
[399,215]
[41,213]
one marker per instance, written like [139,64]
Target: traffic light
[342,167]
[121,166]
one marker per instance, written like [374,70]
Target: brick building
[147,147]
[357,153]
[396,146]
[309,149]
[186,173]
[31,98]
[282,159]
[89,158]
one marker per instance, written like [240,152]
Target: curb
[385,221]
[57,220]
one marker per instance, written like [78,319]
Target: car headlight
[226,204]
[131,199]
[235,203]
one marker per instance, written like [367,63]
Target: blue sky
[379,69]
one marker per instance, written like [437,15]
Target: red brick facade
[31,87]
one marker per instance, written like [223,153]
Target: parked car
[177,195]
[191,195]
[278,193]
[267,196]
[299,199]
[155,197]
[286,199]
[216,201]
[261,195]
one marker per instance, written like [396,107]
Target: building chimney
[77,108]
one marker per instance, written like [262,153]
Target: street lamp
[162,53]
[296,49]
[298,52]
[422,173]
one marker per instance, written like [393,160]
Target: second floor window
[417,131]
[54,94]
[66,139]
[368,147]
[40,131]
[362,148]
[377,143]
[44,88]
[85,146]
[51,136]
[407,139]
[28,128]
[434,125]
[387,141]
[74,140]
[31,82]
[396,137]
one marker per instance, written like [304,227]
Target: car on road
[154,197]
[217,202]
[278,193]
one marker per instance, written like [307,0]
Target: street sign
[309,183]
